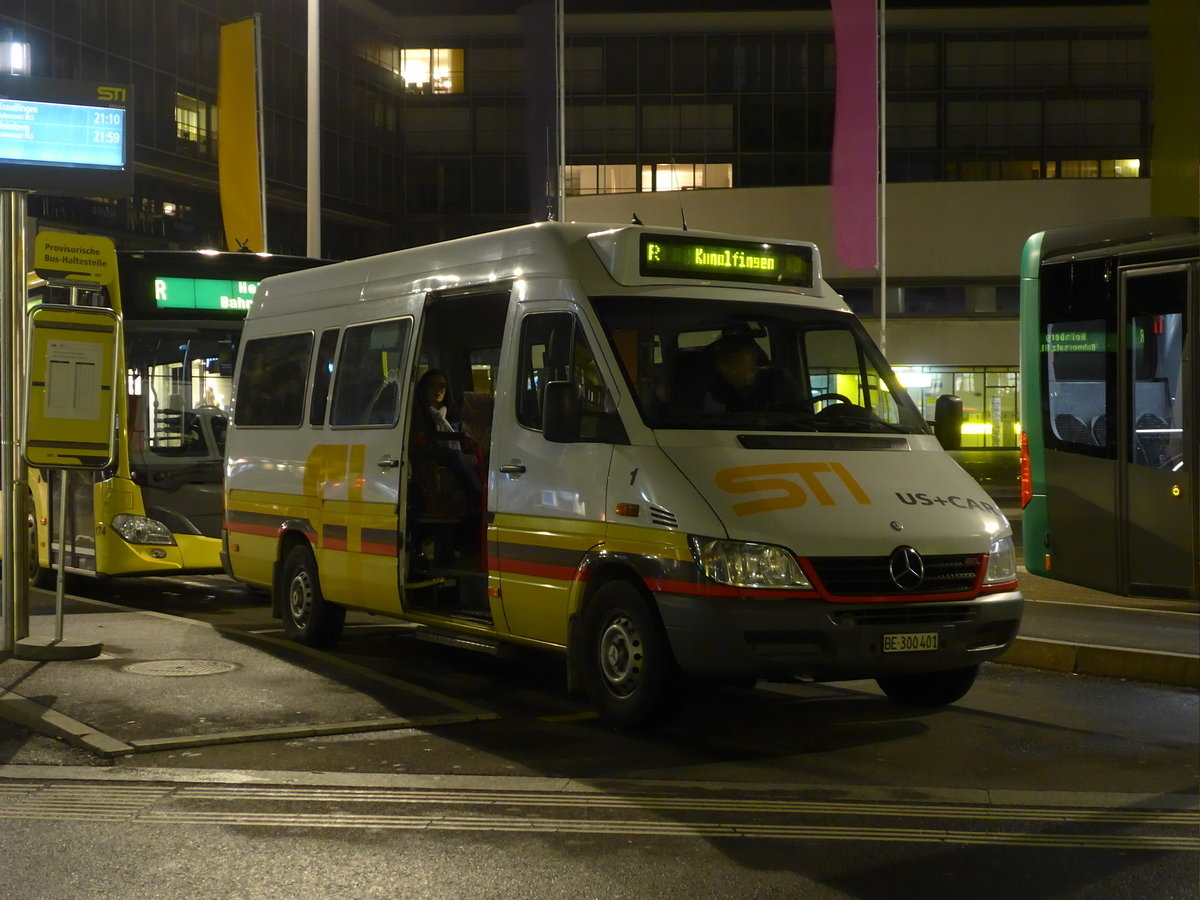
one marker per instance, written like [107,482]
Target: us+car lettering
[910,499]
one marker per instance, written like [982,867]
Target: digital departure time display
[204,294]
[64,137]
[678,256]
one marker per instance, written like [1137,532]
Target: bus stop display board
[71,406]
[65,137]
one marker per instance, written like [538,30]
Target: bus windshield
[733,365]
[179,388]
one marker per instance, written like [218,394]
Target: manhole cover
[178,667]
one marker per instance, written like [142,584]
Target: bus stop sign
[71,407]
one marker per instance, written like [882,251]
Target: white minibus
[666,454]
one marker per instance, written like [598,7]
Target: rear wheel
[929,689]
[627,665]
[307,616]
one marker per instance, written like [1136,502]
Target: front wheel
[307,616]
[928,689]
[627,665]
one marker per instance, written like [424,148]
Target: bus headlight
[1002,562]
[142,530]
[742,564]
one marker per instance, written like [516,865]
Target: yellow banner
[239,146]
[1175,144]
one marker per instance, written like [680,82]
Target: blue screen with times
[68,138]
[61,134]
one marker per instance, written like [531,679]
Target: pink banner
[855,134]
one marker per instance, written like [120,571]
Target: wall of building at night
[1001,121]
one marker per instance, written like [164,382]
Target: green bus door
[1158,438]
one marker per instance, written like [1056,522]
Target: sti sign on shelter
[65,137]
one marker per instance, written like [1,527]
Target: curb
[1171,669]
[53,724]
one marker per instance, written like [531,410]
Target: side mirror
[561,414]
[948,419]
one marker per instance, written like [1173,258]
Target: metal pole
[883,176]
[560,28]
[314,128]
[62,556]
[15,594]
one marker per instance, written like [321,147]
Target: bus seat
[1100,430]
[1152,440]
[1072,429]
[691,375]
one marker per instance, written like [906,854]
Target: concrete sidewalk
[145,692]
[1066,628]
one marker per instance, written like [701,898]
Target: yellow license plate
[910,643]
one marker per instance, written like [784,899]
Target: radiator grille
[860,576]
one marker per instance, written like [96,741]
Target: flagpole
[560,161]
[882,57]
[313,142]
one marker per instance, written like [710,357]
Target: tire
[307,616]
[626,663]
[929,689]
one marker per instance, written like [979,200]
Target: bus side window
[322,375]
[554,348]
[1076,354]
[271,386]
[364,386]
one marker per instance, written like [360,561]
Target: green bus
[1109,379]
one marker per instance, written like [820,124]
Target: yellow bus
[157,509]
[658,452]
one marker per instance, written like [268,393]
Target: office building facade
[1001,120]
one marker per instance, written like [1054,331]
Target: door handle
[388,462]
[512,469]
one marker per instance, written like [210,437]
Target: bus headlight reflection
[142,530]
[742,564]
[1002,562]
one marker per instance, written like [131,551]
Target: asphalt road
[1036,785]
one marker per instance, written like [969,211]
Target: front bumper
[821,641]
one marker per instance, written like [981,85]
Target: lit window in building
[686,176]
[600,179]
[193,125]
[1079,168]
[1120,168]
[423,71]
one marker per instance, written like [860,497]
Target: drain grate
[180,667]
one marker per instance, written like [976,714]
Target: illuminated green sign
[1077,340]
[204,293]
[678,256]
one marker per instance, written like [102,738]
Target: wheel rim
[621,655]
[300,598]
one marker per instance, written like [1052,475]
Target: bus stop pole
[13,205]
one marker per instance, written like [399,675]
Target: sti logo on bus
[110,94]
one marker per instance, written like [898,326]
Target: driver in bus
[741,383]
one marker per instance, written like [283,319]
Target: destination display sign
[678,256]
[64,137]
[204,293]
